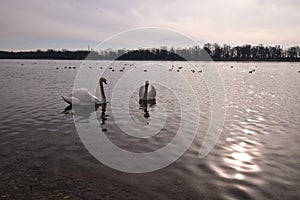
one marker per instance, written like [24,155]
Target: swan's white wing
[84,96]
[142,91]
[152,93]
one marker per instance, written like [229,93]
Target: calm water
[256,157]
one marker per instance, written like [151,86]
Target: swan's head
[103,80]
[147,83]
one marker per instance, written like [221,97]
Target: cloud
[233,22]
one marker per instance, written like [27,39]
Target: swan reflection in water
[103,116]
[83,113]
[144,106]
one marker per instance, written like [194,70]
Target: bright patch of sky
[75,24]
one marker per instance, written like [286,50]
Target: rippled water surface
[256,157]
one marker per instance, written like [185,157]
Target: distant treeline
[215,51]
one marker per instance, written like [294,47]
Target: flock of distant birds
[83,97]
[127,64]
[122,70]
[171,69]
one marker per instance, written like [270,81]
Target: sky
[77,24]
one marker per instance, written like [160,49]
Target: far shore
[63,59]
[209,52]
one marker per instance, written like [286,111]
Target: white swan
[83,97]
[145,94]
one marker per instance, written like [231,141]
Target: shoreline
[238,61]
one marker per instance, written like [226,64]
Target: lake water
[256,157]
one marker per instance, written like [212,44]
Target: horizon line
[161,47]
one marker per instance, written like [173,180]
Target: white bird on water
[145,94]
[83,97]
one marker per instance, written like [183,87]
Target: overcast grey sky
[75,24]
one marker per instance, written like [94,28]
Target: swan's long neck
[102,91]
[146,92]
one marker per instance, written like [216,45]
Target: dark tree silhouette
[215,51]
